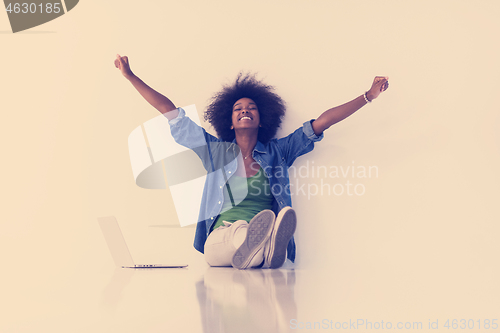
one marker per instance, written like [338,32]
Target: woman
[246,219]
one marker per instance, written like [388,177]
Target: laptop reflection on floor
[118,247]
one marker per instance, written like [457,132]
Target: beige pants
[223,242]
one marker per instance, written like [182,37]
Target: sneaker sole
[279,239]
[259,231]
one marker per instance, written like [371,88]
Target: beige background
[421,243]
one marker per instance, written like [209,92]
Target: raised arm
[160,102]
[338,113]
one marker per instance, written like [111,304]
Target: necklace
[248,156]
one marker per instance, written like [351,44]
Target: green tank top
[257,199]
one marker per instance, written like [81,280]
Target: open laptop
[118,247]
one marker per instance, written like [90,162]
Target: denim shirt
[220,160]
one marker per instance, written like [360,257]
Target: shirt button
[221,187]
[211,218]
[229,171]
[219,202]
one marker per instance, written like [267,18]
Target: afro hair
[271,107]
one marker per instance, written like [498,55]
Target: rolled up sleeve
[179,117]
[309,132]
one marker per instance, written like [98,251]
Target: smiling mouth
[245,117]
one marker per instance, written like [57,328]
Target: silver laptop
[118,247]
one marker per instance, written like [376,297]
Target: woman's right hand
[122,64]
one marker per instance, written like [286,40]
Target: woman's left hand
[380,84]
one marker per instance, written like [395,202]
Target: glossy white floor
[324,293]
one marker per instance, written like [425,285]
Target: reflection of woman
[247,300]
[248,113]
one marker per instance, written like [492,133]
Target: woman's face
[245,114]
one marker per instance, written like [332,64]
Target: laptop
[118,247]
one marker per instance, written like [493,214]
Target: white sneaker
[284,228]
[258,233]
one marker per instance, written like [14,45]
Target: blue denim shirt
[219,159]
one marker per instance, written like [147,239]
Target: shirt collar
[260,147]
